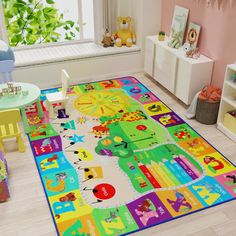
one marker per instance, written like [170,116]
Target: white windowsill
[61,53]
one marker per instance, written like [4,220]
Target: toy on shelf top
[191,52]
[108,40]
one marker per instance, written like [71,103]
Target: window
[35,22]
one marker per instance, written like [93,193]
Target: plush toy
[190,51]
[6,52]
[108,40]
[124,35]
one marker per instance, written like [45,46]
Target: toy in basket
[230,121]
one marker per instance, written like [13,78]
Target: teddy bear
[108,40]
[124,35]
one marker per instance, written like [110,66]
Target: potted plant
[161,36]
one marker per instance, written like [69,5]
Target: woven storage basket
[207,112]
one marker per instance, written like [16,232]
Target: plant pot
[161,37]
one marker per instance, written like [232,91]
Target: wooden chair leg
[21,145]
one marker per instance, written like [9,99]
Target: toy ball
[6,52]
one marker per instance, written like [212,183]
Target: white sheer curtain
[105,16]
[3,32]
[111,13]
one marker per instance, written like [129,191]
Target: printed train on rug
[119,160]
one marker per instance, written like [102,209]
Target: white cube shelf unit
[228,100]
[182,76]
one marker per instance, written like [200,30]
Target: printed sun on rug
[119,160]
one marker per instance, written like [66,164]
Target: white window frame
[3,32]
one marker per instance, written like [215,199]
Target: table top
[20,101]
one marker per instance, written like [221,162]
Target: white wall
[146,15]
[151,21]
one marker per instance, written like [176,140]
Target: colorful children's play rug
[119,160]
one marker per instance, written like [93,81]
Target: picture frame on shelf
[193,33]
[178,26]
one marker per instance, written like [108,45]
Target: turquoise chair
[6,69]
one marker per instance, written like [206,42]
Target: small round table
[20,101]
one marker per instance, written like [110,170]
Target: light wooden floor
[27,213]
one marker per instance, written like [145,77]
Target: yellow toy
[124,35]
[9,128]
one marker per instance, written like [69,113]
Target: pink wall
[218,35]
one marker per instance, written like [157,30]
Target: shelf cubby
[228,100]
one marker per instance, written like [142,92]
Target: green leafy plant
[162,33]
[31,22]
